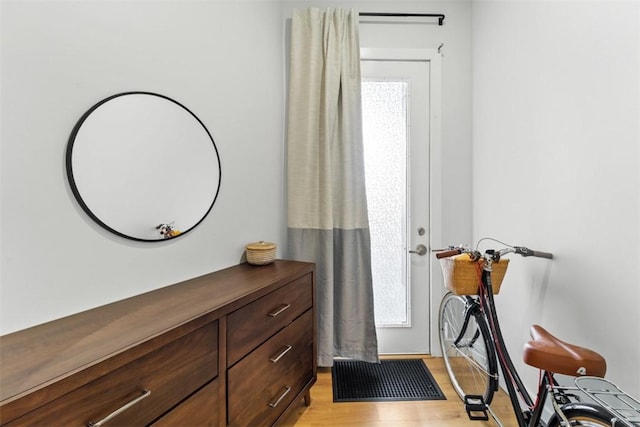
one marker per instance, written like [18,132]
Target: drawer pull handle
[144,395]
[286,350]
[275,402]
[279,311]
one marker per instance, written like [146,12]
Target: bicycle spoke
[472,361]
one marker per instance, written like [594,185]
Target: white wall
[223,60]
[555,166]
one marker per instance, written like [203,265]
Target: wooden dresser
[235,347]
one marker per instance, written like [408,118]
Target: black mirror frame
[78,196]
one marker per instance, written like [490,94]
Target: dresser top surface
[32,358]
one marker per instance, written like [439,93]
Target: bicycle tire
[471,364]
[592,416]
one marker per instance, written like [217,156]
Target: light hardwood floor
[441,413]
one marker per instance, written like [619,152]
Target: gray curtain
[327,206]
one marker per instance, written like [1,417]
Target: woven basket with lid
[261,253]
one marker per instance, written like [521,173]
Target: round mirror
[143,166]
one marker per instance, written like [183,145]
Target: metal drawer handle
[145,394]
[286,350]
[275,403]
[280,310]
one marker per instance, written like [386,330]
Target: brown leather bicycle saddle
[548,353]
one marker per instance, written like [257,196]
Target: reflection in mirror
[143,166]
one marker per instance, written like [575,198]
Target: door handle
[420,250]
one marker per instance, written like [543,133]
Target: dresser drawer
[156,381]
[264,383]
[251,325]
[200,410]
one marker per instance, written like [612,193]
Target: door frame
[436,287]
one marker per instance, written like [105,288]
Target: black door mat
[390,380]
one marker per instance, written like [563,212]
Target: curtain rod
[440,16]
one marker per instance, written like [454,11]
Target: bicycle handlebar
[520,250]
[448,253]
[529,252]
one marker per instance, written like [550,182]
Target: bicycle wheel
[582,414]
[581,418]
[471,362]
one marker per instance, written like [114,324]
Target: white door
[396,124]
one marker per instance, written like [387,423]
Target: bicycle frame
[514,383]
[515,386]
[566,401]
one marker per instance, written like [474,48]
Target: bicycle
[473,347]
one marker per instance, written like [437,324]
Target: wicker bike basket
[462,276]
